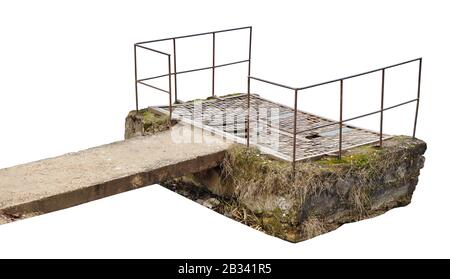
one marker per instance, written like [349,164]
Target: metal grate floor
[271,126]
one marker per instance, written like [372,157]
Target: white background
[66,84]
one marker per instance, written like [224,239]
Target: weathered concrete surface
[75,178]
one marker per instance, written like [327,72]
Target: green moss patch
[153,122]
[360,157]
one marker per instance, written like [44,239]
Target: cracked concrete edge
[108,188]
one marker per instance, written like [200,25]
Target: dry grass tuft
[359,200]
[312,227]
[240,213]
[251,172]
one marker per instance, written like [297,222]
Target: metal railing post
[248,112]
[175,68]
[382,108]
[248,86]
[418,97]
[294,148]
[135,80]
[249,55]
[340,117]
[170,92]
[213,64]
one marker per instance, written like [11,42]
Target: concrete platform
[71,179]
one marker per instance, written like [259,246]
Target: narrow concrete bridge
[74,178]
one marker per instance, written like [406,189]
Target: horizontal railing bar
[273,83]
[232,63]
[357,75]
[210,67]
[357,117]
[194,35]
[151,49]
[154,77]
[232,29]
[194,70]
[154,87]
[378,111]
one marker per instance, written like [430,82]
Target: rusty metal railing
[341,97]
[296,90]
[143,81]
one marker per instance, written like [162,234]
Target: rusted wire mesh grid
[271,125]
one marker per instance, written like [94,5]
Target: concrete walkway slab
[74,178]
